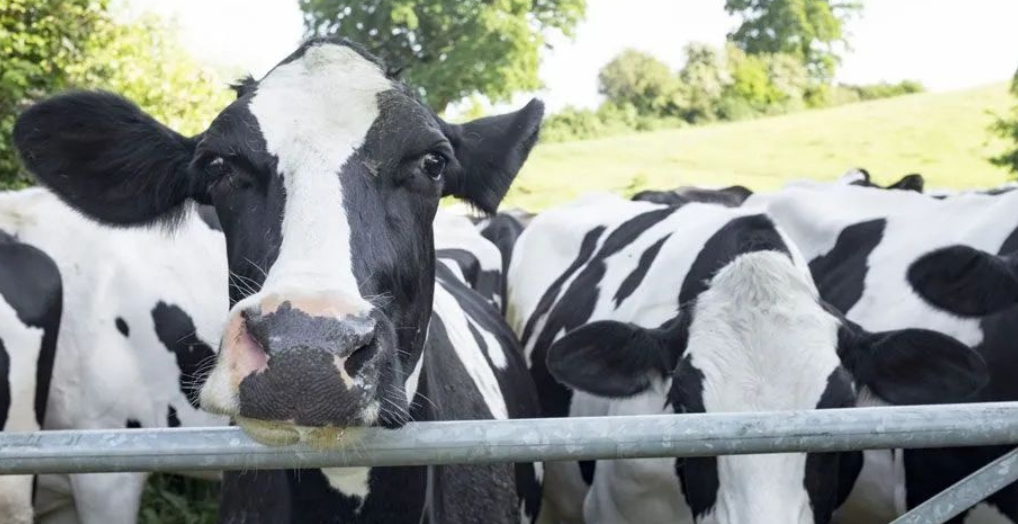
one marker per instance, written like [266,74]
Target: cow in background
[628,308]
[900,259]
[30,308]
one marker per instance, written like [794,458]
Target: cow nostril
[360,357]
[255,327]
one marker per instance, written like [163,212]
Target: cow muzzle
[284,371]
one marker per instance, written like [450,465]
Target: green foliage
[810,30]
[145,63]
[451,48]
[642,94]
[704,80]
[172,499]
[52,45]
[643,82]
[1007,128]
[39,40]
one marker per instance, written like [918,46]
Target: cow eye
[217,168]
[433,164]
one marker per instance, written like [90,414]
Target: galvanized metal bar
[966,493]
[488,441]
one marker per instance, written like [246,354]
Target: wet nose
[320,370]
[288,328]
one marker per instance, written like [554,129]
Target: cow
[732,196]
[503,230]
[894,260]
[629,308]
[131,324]
[30,309]
[326,175]
[861,177]
[477,261]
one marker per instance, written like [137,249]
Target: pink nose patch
[245,355]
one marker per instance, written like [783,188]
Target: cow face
[326,176]
[758,339]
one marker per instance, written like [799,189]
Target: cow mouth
[273,433]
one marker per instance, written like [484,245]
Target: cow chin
[273,433]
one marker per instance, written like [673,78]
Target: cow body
[139,311]
[477,260]
[696,308]
[861,244]
[30,308]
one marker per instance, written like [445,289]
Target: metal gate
[524,440]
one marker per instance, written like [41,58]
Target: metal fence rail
[519,440]
[967,492]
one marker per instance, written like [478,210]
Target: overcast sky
[945,44]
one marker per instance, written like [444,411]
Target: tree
[704,79]
[142,61]
[1007,127]
[451,49]
[52,45]
[641,81]
[811,30]
[39,40]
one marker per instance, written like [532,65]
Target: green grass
[944,136]
[172,499]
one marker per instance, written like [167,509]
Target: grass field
[944,136]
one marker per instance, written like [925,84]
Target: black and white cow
[503,230]
[732,196]
[641,308]
[913,182]
[326,175]
[139,308]
[870,252]
[478,261]
[30,307]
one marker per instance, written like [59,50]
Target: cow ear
[105,157]
[490,152]
[916,366]
[913,182]
[612,359]
[965,281]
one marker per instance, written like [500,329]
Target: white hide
[102,378]
[22,344]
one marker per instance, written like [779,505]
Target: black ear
[491,152]
[965,281]
[917,366]
[913,182]
[611,359]
[105,157]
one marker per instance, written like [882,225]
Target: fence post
[966,493]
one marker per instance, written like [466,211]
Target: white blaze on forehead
[763,343]
[314,112]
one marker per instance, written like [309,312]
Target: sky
[945,44]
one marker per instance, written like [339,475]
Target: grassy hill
[941,135]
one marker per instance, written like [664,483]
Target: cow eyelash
[217,167]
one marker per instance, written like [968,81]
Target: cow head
[326,175]
[758,339]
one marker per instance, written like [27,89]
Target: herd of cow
[304,281]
